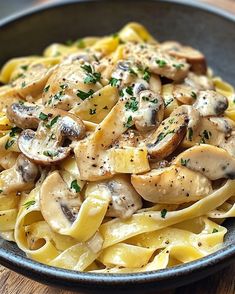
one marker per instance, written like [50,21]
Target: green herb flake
[74,185]
[162,135]
[132,105]
[161,63]
[163,213]
[46,89]
[178,66]
[14,131]
[193,95]
[1,190]
[115,35]
[64,86]
[129,90]
[131,71]
[43,116]
[184,162]
[128,124]
[50,153]
[115,82]
[215,231]
[24,67]
[92,111]
[9,143]
[23,84]
[206,134]
[145,98]
[87,68]
[168,102]
[54,121]
[84,95]
[92,78]
[190,134]
[29,203]
[146,75]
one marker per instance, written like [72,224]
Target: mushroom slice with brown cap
[184,93]
[20,177]
[213,162]
[167,137]
[124,200]
[194,57]
[24,115]
[192,114]
[199,82]
[157,61]
[150,112]
[171,185]
[211,103]
[59,204]
[45,146]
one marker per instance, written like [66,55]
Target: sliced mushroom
[46,145]
[193,56]
[199,82]
[124,200]
[167,137]
[211,103]
[213,162]
[24,115]
[157,61]
[192,114]
[56,196]
[150,112]
[69,83]
[184,93]
[171,185]
[21,177]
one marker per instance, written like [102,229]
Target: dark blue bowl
[208,29]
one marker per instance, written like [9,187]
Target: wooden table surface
[220,283]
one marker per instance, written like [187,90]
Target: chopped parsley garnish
[9,143]
[163,213]
[194,95]
[53,121]
[43,116]
[128,124]
[161,63]
[1,190]
[46,89]
[132,105]
[145,98]
[171,120]
[81,44]
[92,78]
[161,136]
[74,185]
[87,68]
[84,95]
[92,111]
[23,84]
[29,203]
[178,66]
[146,75]
[14,131]
[115,35]
[64,86]
[129,90]
[215,231]
[184,162]
[115,82]
[24,67]
[206,134]
[190,134]
[166,103]
[50,153]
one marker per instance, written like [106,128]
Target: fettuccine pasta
[117,154]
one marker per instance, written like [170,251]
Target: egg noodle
[117,154]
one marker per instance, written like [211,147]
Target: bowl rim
[32,268]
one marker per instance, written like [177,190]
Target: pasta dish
[117,154]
